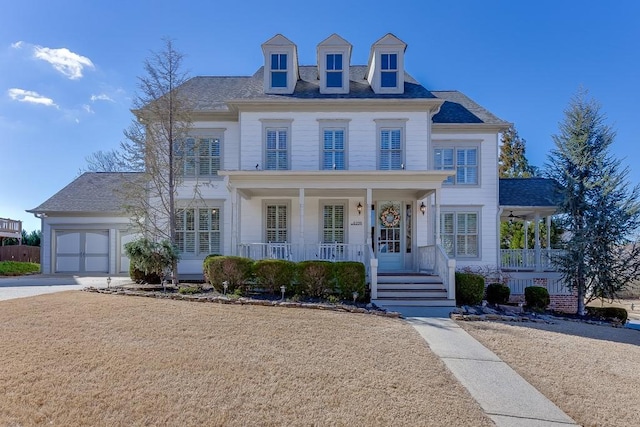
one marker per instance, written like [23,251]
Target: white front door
[390,230]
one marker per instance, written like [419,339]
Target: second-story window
[389,70]
[200,156]
[464,160]
[333,149]
[391,149]
[277,149]
[279,70]
[334,70]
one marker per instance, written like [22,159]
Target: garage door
[84,251]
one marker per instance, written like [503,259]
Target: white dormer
[386,65]
[280,65]
[334,57]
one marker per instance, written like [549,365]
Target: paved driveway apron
[38,284]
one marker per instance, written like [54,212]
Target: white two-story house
[332,161]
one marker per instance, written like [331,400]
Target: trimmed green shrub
[537,297]
[497,293]
[273,273]
[609,313]
[189,290]
[152,258]
[204,265]
[235,270]
[315,278]
[350,277]
[138,276]
[469,288]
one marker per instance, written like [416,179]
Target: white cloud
[87,108]
[63,60]
[30,96]
[101,97]
[17,45]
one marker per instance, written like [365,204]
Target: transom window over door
[389,70]
[333,223]
[391,149]
[334,70]
[279,70]
[198,231]
[277,149]
[276,223]
[333,149]
[459,234]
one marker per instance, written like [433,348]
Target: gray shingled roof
[91,192]
[528,192]
[211,93]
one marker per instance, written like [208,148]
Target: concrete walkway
[505,396]
[38,284]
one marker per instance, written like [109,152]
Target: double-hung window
[333,149]
[198,231]
[199,156]
[334,70]
[389,70]
[278,70]
[459,234]
[390,149]
[333,223]
[277,222]
[277,149]
[464,160]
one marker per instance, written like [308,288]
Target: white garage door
[84,251]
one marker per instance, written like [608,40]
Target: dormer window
[279,70]
[334,70]
[334,55]
[385,71]
[389,70]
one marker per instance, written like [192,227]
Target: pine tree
[512,162]
[601,212]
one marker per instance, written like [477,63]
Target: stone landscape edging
[220,299]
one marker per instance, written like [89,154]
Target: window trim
[205,133]
[209,205]
[392,124]
[455,146]
[399,87]
[271,202]
[333,124]
[323,70]
[456,210]
[333,202]
[276,124]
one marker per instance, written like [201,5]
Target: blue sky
[68,69]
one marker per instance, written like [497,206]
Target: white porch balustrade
[298,252]
[525,259]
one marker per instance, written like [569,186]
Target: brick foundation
[562,303]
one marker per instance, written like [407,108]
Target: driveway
[38,284]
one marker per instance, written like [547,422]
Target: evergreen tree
[601,212]
[512,162]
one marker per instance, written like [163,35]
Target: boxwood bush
[537,297]
[270,274]
[497,293]
[609,313]
[469,288]
[350,277]
[235,270]
[315,278]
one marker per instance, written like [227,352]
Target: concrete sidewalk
[504,395]
[38,284]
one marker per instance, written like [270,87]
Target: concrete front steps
[411,290]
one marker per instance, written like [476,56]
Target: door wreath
[390,217]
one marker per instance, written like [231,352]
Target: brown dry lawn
[77,358]
[591,372]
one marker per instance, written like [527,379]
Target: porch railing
[434,258]
[298,252]
[10,227]
[525,259]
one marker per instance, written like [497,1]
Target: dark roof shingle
[529,192]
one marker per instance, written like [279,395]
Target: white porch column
[373,262]
[367,217]
[234,222]
[536,242]
[548,232]
[437,230]
[301,201]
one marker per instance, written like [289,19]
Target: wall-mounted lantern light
[423,208]
[359,208]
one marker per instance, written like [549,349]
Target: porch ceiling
[528,213]
[384,184]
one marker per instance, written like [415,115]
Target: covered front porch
[388,220]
